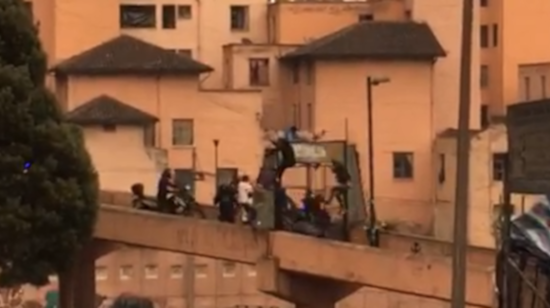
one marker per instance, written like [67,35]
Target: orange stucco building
[514,65]
[155,84]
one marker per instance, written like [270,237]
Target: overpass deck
[409,273]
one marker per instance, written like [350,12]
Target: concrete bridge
[307,271]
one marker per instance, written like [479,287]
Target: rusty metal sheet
[528,127]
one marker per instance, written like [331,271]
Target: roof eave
[321,57]
[141,72]
[97,122]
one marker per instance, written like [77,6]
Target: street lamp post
[372,230]
[216,162]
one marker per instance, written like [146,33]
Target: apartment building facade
[256,83]
[514,54]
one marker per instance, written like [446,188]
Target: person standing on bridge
[165,191]
[245,192]
[226,202]
[343,180]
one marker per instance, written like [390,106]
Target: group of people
[237,196]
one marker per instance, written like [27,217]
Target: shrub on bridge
[48,188]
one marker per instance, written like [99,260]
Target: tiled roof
[104,110]
[374,39]
[129,55]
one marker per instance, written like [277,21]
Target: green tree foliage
[48,212]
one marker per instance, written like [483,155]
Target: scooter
[183,202]
[186,204]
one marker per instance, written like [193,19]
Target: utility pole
[460,236]
[372,230]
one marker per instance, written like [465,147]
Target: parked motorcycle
[182,202]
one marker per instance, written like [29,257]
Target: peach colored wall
[484,192]
[227,116]
[519,48]
[492,95]
[514,47]
[403,121]
[237,74]
[69,27]
[445,19]
[121,159]
[320,18]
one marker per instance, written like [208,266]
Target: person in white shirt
[244,197]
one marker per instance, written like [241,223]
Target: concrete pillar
[300,289]
[84,287]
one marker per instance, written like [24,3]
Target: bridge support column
[303,290]
[77,287]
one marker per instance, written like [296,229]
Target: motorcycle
[182,202]
[186,204]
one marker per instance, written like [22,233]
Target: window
[251,271]
[101,273]
[239,17]
[408,14]
[499,166]
[201,270]
[151,271]
[183,52]
[169,17]
[229,269]
[527,90]
[484,114]
[484,36]
[258,72]
[543,86]
[309,73]
[484,3]
[109,128]
[126,272]
[149,135]
[441,176]
[182,132]
[137,16]
[495,35]
[176,272]
[296,73]
[403,165]
[365,17]
[484,76]
[184,12]
[226,175]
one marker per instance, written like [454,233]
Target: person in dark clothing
[343,180]
[291,134]
[165,191]
[308,204]
[226,201]
[287,158]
